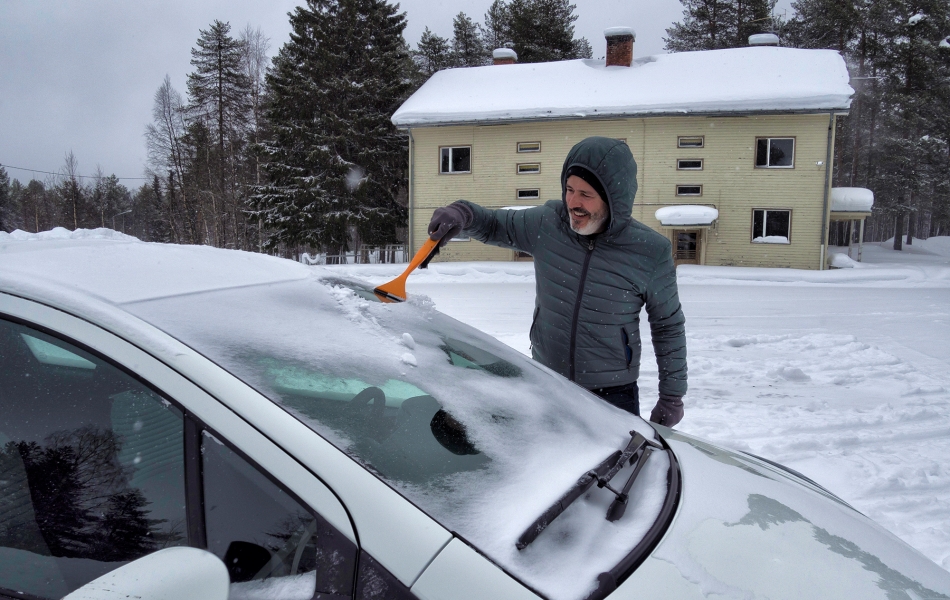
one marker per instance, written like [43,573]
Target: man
[595,268]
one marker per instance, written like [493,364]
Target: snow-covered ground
[843,375]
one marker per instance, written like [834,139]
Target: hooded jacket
[590,289]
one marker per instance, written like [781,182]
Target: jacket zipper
[577,305]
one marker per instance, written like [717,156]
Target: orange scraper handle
[395,290]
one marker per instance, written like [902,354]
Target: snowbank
[687,214]
[732,80]
[851,199]
[61,233]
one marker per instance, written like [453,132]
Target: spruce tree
[538,30]
[543,30]
[335,161]
[218,91]
[467,47]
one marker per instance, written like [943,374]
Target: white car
[325,445]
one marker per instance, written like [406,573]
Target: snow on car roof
[119,268]
[737,80]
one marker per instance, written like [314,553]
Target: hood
[611,161]
[749,528]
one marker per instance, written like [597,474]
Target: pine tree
[915,113]
[467,47]
[496,33]
[335,161]
[432,54]
[894,141]
[717,24]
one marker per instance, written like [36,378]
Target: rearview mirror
[170,574]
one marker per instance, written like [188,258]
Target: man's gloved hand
[448,221]
[668,411]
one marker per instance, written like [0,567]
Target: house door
[686,246]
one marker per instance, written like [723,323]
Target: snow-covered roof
[737,80]
[686,214]
[851,199]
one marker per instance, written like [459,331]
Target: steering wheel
[378,398]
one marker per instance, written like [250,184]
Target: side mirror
[171,574]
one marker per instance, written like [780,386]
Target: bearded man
[595,269]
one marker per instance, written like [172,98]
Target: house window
[693,141]
[529,194]
[771,226]
[689,190]
[456,159]
[689,164]
[775,153]
[525,168]
[529,146]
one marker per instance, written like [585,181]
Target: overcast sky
[81,75]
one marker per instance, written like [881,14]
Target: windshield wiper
[638,447]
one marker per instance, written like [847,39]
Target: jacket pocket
[627,350]
[534,324]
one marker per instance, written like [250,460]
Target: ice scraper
[395,290]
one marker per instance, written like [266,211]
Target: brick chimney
[504,56]
[619,46]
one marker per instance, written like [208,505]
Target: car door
[101,463]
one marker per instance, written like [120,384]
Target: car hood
[747,528]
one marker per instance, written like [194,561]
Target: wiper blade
[619,505]
[583,484]
[638,447]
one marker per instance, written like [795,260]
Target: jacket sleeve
[667,326]
[517,229]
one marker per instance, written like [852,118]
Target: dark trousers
[626,397]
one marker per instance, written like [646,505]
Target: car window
[91,466]
[273,547]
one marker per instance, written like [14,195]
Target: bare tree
[255,63]
[166,155]
[70,188]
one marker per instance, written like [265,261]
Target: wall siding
[730,181]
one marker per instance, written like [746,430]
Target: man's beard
[594,224]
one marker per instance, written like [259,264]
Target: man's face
[587,210]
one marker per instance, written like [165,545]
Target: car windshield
[480,437]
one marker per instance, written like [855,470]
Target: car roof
[109,266]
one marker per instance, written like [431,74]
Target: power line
[79,176]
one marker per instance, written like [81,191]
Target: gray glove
[668,411]
[449,221]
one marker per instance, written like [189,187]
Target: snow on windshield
[478,436]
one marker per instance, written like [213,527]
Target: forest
[294,152]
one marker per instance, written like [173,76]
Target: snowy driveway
[843,375]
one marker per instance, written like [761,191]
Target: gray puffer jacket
[590,289]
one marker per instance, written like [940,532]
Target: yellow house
[734,147]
